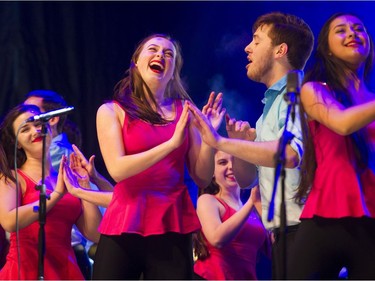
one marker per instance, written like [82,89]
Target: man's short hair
[50,101]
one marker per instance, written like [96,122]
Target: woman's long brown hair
[199,243]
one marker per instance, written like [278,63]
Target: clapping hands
[213,110]
[77,171]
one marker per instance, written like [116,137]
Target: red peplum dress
[155,201]
[59,260]
[338,190]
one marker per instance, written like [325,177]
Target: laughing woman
[146,139]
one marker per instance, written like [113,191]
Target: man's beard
[262,69]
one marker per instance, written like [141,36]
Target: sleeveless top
[237,259]
[156,200]
[59,259]
[338,190]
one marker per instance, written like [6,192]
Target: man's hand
[238,129]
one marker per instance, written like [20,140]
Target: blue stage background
[82,48]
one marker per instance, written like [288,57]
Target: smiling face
[348,40]
[156,61]
[29,137]
[260,55]
[224,176]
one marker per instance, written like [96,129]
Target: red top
[237,259]
[59,260]
[338,191]
[156,200]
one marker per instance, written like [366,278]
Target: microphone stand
[280,160]
[42,209]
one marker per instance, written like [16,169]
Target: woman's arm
[99,198]
[88,222]
[26,213]
[119,165]
[200,161]
[217,232]
[322,107]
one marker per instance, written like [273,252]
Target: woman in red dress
[338,221]
[63,210]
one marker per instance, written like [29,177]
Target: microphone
[293,85]
[44,117]
[293,88]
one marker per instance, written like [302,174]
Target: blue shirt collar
[271,94]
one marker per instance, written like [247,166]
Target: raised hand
[60,186]
[78,171]
[238,129]
[180,131]
[213,110]
[88,165]
[208,132]
[70,178]
[255,194]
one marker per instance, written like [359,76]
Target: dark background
[81,49]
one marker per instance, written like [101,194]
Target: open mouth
[156,66]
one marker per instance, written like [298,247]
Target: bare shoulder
[110,110]
[6,184]
[107,107]
[314,91]
[314,87]
[207,199]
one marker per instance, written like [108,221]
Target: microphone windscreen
[293,81]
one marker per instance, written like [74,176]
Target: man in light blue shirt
[281,43]
[270,127]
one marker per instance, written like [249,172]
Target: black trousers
[324,246]
[83,260]
[130,256]
[279,261]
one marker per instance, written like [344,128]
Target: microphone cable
[17,201]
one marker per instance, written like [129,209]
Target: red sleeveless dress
[338,190]
[236,260]
[156,200]
[59,260]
